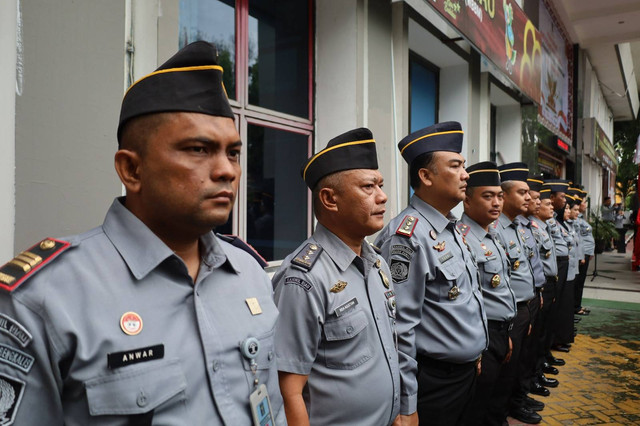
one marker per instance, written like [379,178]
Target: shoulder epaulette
[27,263]
[307,257]
[407,226]
[494,224]
[375,248]
[534,224]
[243,245]
[464,229]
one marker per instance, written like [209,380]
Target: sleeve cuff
[408,404]
[295,367]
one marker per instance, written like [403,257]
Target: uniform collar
[433,216]
[338,251]
[474,227]
[524,221]
[504,221]
[142,250]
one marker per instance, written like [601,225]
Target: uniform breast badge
[338,287]
[495,281]
[432,234]
[516,265]
[454,292]
[440,246]
[385,280]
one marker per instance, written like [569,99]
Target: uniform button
[216,365]
[270,355]
[377,317]
[142,399]
[349,330]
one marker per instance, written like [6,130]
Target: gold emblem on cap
[440,246]
[338,287]
[47,244]
[454,292]
[516,265]
[385,280]
[495,281]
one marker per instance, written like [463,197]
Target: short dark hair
[138,130]
[422,161]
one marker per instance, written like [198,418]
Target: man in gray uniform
[150,318]
[442,327]
[336,336]
[512,235]
[588,241]
[482,205]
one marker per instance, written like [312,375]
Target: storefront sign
[503,33]
[563,145]
[604,150]
[556,80]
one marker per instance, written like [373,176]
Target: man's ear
[128,165]
[425,176]
[328,199]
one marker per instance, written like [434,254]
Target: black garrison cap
[445,136]
[484,173]
[535,182]
[545,193]
[190,81]
[556,185]
[514,171]
[355,149]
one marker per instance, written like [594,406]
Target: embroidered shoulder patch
[399,270]
[400,250]
[407,226]
[305,285]
[15,330]
[16,358]
[307,257]
[11,390]
[27,263]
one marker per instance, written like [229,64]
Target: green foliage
[602,230]
[625,137]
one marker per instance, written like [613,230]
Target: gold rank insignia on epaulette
[407,226]
[27,263]
[375,248]
[494,224]
[534,224]
[307,257]
[464,229]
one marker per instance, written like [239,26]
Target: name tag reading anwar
[134,356]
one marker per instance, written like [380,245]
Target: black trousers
[445,391]
[544,323]
[563,267]
[579,283]
[499,406]
[492,364]
[528,356]
[564,326]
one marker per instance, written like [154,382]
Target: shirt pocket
[489,270]
[137,391]
[451,272]
[266,354]
[347,346]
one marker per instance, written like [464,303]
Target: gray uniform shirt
[586,236]
[337,325]
[575,250]
[558,238]
[533,253]
[493,265]
[440,309]
[185,362]
[512,239]
[546,247]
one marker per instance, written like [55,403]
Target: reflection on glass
[279,55]
[276,194]
[214,21]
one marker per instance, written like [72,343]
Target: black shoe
[549,369]
[576,320]
[538,389]
[533,404]
[555,361]
[525,415]
[549,383]
[561,348]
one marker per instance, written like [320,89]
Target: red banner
[503,33]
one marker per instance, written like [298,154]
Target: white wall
[67,115]
[594,104]
[509,132]
[8,20]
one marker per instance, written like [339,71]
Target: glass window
[279,56]
[214,21]
[424,95]
[277,213]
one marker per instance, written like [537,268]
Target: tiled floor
[600,383]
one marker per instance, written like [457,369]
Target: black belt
[562,258]
[500,325]
[552,279]
[523,304]
[444,365]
